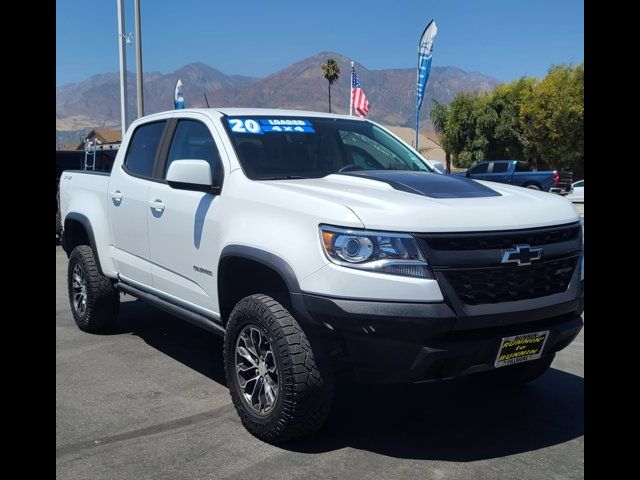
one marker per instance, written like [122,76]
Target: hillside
[95,101]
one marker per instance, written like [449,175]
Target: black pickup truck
[520,173]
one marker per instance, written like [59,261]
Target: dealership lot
[149,401]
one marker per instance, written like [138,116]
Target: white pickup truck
[321,245]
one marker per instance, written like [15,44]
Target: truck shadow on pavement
[460,420]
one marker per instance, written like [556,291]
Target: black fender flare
[268,259]
[277,264]
[86,223]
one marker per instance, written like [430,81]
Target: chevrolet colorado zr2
[319,244]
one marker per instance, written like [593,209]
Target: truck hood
[425,202]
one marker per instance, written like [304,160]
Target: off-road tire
[520,373]
[305,390]
[102,298]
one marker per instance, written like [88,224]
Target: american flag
[358,98]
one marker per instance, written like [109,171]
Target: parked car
[577,192]
[319,244]
[520,173]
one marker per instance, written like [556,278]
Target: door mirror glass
[190,174]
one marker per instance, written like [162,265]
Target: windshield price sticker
[248,125]
[287,125]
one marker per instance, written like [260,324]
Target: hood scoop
[431,185]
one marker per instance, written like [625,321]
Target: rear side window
[522,167]
[482,168]
[501,167]
[142,150]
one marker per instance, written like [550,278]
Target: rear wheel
[277,388]
[533,187]
[521,373]
[94,300]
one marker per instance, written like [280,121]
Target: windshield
[271,148]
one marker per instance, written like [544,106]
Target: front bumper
[393,342]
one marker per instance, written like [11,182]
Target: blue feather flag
[425,52]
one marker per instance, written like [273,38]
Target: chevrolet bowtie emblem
[521,254]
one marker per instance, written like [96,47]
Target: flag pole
[124,106]
[417,120]
[351,91]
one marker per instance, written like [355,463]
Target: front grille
[499,240]
[475,286]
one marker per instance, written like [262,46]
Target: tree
[552,117]
[540,121]
[439,114]
[331,73]
[508,140]
[468,123]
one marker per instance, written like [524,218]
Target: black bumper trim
[392,342]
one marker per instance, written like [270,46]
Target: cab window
[141,154]
[500,167]
[481,168]
[192,140]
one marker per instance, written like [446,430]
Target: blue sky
[501,38]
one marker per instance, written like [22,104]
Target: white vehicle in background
[437,166]
[577,192]
[318,245]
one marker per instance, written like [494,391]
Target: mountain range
[94,103]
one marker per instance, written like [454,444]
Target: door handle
[157,205]
[117,195]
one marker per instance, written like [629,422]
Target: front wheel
[276,385]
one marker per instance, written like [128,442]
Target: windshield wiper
[285,177]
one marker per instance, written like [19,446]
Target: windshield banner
[266,125]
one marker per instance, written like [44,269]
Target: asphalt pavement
[149,401]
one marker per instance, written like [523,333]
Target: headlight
[393,253]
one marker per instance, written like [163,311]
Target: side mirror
[467,173]
[191,175]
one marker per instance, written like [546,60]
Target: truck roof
[271,112]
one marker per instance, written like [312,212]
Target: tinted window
[323,147]
[482,168]
[522,167]
[501,167]
[142,148]
[193,141]
[579,184]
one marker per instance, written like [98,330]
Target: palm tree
[331,73]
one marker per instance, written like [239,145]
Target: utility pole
[124,114]
[139,77]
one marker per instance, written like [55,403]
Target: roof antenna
[205,98]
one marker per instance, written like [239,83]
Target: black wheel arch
[78,231]
[272,266]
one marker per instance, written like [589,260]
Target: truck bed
[86,194]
